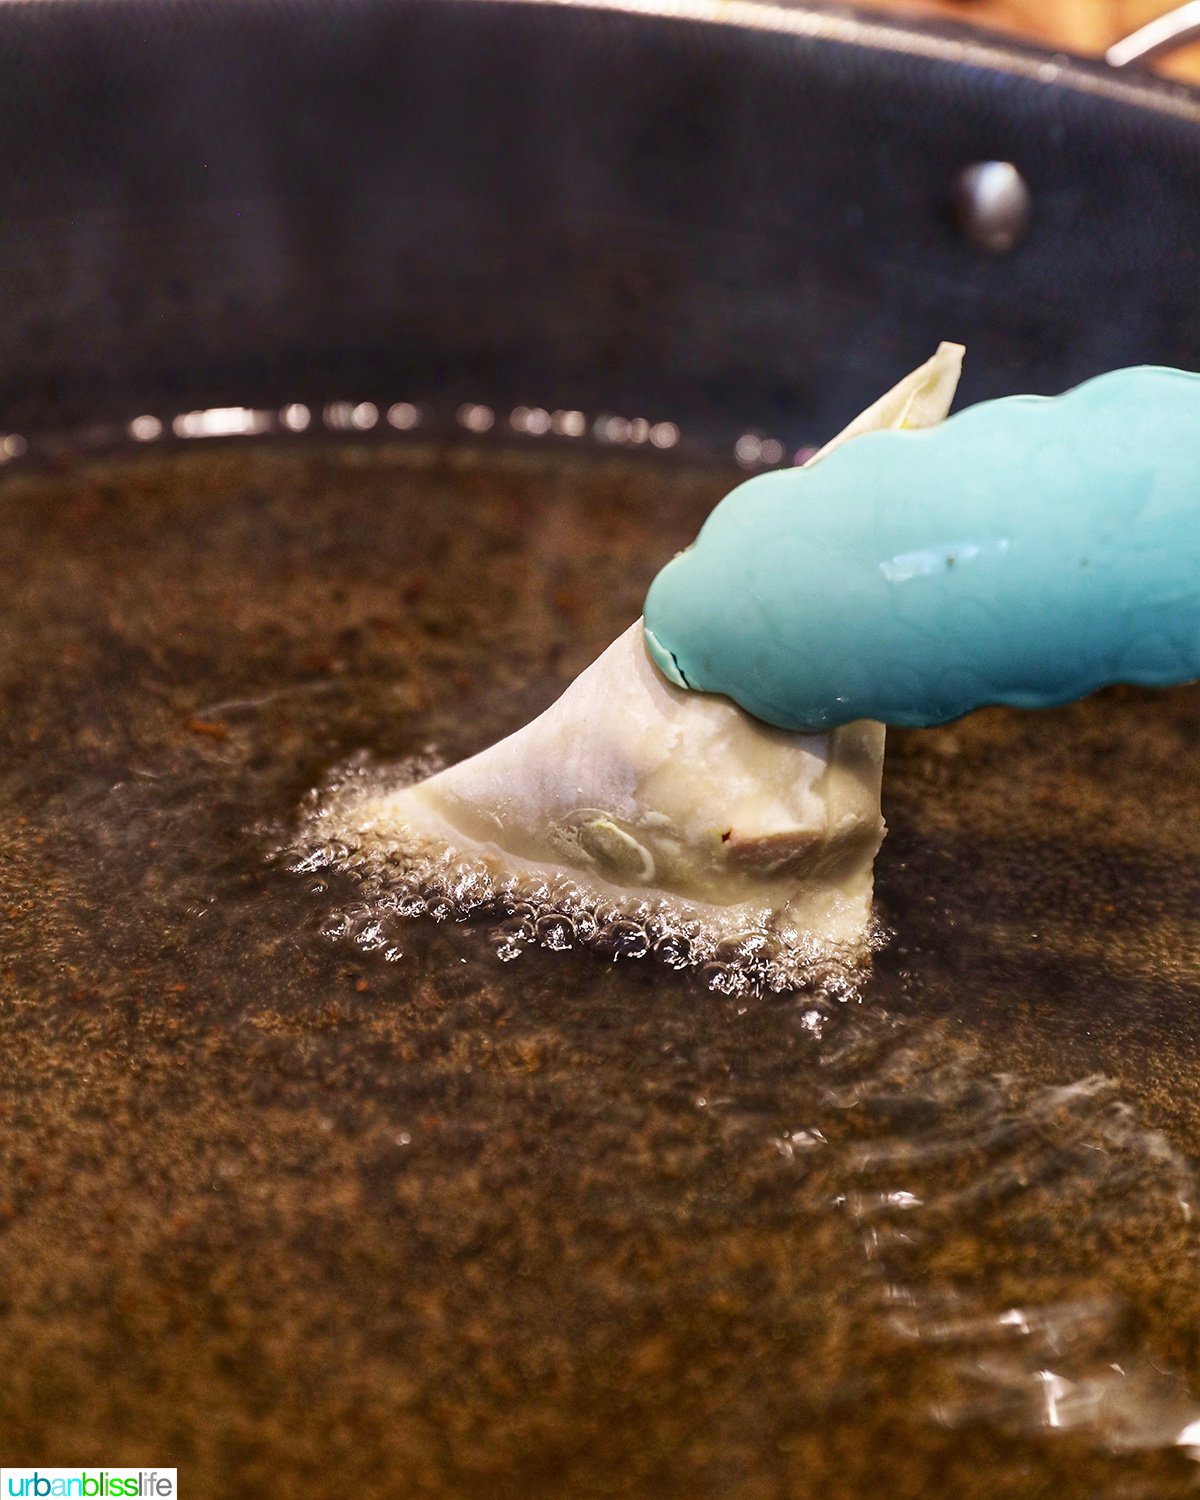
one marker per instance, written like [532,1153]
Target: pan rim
[955,42]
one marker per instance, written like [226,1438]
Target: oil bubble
[674,949]
[556,931]
[626,939]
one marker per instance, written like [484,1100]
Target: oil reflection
[960,1182]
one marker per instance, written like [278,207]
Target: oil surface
[293,1216]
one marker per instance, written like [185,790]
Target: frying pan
[303,1222]
[729,215]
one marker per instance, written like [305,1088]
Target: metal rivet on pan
[993,203]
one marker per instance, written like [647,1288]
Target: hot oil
[296,1214]
[395,881]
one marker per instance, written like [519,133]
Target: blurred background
[1086,26]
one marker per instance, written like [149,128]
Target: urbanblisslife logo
[89,1484]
